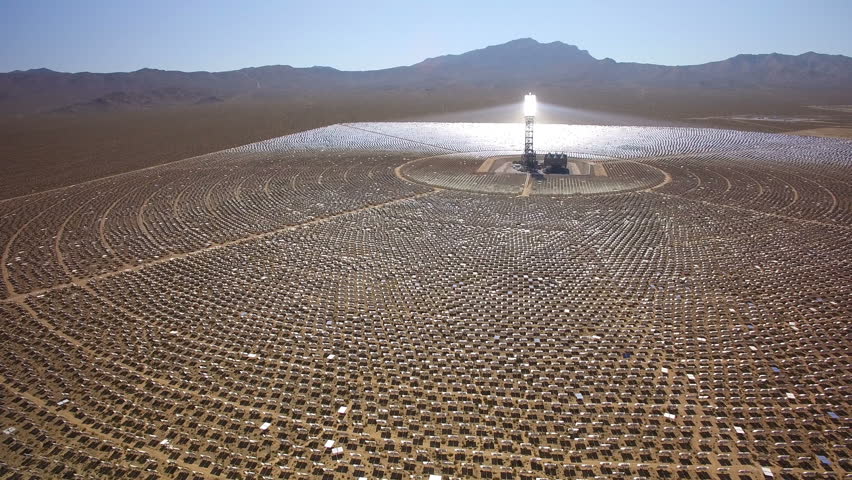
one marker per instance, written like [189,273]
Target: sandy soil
[486,165]
[500,165]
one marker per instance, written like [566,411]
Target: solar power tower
[529,122]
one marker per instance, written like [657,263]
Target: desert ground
[376,300]
[831,132]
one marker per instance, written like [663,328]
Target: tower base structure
[529,161]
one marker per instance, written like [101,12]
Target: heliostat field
[392,300]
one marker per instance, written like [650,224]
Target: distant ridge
[521,64]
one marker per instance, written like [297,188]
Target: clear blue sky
[215,35]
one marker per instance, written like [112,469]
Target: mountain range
[565,73]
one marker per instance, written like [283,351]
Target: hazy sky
[214,35]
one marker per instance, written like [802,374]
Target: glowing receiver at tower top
[529,159]
[529,105]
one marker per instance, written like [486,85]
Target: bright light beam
[529,105]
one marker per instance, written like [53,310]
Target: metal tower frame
[528,135]
[529,152]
